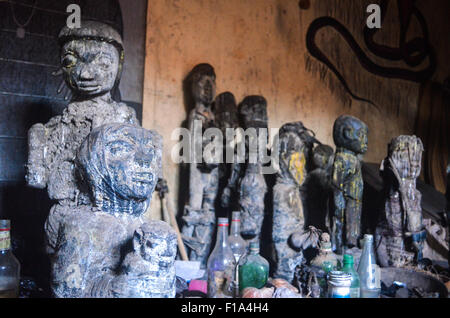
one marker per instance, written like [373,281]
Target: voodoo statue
[91,63]
[318,187]
[199,216]
[100,249]
[252,186]
[350,137]
[226,118]
[401,233]
[289,234]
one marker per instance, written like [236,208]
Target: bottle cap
[348,259]
[5,225]
[236,216]
[368,237]
[223,221]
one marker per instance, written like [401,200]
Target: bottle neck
[5,240]
[254,251]
[235,227]
[222,234]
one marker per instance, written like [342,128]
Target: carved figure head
[253,112]
[156,243]
[351,133]
[406,154]
[121,164]
[226,112]
[91,58]
[203,83]
[296,143]
[323,156]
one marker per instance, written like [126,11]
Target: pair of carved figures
[102,169]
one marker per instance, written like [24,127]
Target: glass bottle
[221,264]
[349,268]
[339,284]
[9,265]
[237,243]
[368,271]
[325,254]
[254,270]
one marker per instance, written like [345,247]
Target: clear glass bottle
[368,271]
[9,265]
[221,264]
[254,270]
[349,268]
[237,243]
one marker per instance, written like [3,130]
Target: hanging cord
[29,18]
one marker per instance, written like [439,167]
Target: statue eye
[68,61]
[119,147]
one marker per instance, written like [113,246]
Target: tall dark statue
[350,137]
[289,234]
[252,186]
[318,187]
[107,248]
[226,119]
[401,233]
[199,215]
[91,61]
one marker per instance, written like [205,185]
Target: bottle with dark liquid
[9,265]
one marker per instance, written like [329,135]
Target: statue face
[293,157]
[131,161]
[204,89]
[356,138]
[90,67]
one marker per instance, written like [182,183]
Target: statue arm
[37,173]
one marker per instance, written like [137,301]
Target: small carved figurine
[288,213]
[91,63]
[252,186]
[401,233]
[318,187]
[149,271]
[119,165]
[350,136]
[199,216]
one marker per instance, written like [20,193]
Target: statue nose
[144,158]
[86,73]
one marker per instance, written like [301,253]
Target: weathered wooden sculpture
[106,249]
[350,137]
[252,186]
[199,216]
[226,119]
[401,233]
[289,234]
[91,62]
[318,187]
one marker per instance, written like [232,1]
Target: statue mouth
[88,87]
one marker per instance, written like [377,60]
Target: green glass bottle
[255,269]
[350,269]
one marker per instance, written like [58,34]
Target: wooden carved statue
[252,186]
[318,187]
[350,137]
[401,233]
[289,233]
[91,62]
[199,215]
[91,246]
[226,119]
